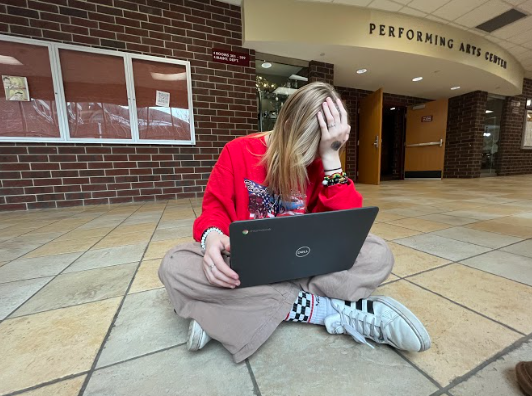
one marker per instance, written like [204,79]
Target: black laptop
[285,248]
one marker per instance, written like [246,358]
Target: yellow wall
[335,24]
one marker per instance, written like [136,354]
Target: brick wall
[54,175]
[352,96]
[320,71]
[511,158]
[465,128]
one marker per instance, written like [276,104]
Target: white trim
[59,94]
[131,98]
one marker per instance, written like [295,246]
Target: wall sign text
[436,40]
[230,57]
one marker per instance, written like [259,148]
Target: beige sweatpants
[243,319]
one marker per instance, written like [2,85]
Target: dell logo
[303,251]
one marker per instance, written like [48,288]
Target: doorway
[393,138]
[492,128]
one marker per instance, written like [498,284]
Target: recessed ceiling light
[266,65]
[417,79]
[455,88]
[392,108]
[489,111]
[362,71]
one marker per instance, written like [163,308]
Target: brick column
[320,71]
[465,135]
[511,158]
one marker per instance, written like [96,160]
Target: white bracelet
[206,233]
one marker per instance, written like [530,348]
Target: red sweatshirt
[236,190]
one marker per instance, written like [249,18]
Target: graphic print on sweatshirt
[264,204]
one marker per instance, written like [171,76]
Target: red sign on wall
[426,118]
[230,57]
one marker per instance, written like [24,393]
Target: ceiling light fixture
[266,65]
[392,108]
[455,88]
[415,79]
[362,71]
[489,111]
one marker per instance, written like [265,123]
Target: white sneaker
[381,319]
[197,337]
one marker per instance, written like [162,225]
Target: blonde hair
[294,141]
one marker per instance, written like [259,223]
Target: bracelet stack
[335,178]
[206,234]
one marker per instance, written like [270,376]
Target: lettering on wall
[230,57]
[436,40]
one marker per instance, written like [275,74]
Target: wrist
[208,235]
[331,161]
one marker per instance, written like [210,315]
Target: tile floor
[82,311]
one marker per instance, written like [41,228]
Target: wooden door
[426,128]
[369,138]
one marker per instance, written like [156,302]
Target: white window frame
[60,100]
[527,109]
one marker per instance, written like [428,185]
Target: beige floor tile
[451,220]
[446,248]
[339,366]
[14,294]
[391,278]
[135,228]
[122,239]
[63,247]
[98,258]
[175,372]
[175,223]
[82,234]
[414,211]
[461,339]
[146,323]
[420,225]
[391,232]
[482,238]
[503,228]
[70,387]
[508,265]
[36,267]
[497,378]
[473,214]
[522,248]
[506,210]
[54,344]
[520,221]
[101,223]
[172,233]
[409,261]
[12,253]
[147,277]
[79,288]
[159,249]
[460,205]
[501,299]
[384,217]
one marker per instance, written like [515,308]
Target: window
[527,132]
[63,93]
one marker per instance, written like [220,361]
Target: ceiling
[516,38]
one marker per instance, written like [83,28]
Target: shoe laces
[360,325]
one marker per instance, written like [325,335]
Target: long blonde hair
[294,141]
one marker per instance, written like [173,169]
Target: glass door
[492,127]
[275,83]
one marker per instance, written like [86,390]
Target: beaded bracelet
[335,178]
[206,233]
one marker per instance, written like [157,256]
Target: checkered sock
[310,308]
